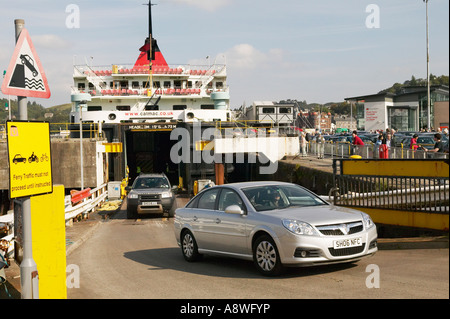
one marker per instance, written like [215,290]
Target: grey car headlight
[299,228]
[166,194]
[368,222]
[133,196]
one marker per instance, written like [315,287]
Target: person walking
[357,143]
[413,144]
[385,144]
[438,146]
[378,144]
[320,141]
[303,143]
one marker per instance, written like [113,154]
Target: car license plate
[149,203]
[348,242]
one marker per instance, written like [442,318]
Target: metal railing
[345,150]
[82,209]
[416,192]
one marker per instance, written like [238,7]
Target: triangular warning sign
[25,75]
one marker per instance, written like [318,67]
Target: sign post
[24,78]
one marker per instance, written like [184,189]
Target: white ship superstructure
[122,94]
[150,92]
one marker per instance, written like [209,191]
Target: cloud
[245,56]
[50,41]
[208,5]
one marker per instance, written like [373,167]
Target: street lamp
[428,73]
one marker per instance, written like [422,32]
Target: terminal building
[403,111]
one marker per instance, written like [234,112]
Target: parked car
[427,141]
[150,194]
[406,133]
[341,139]
[369,139]
[274,224]
[398,138]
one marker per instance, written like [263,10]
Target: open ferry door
[148,151]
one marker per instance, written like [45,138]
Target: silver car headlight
[133,196]
[166,194]
[368,222]
[299,228]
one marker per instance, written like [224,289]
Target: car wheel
[266,256]
[189,246]
[131,213]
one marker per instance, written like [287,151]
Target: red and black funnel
[156,55]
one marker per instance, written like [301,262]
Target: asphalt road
[139,259]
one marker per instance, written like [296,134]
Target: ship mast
[150,48]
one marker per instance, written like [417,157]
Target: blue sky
[319,51]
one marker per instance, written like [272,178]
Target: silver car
[274,224]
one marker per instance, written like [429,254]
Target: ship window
[124,84]
[284,110]
[122,107]
[91,86]
[145,84]
[157,84]
[152,107]
[207,106]
[177,84]
[179,107]
[94,108]
[135,85]
[189,84]
[81,86]
[268,110]
[219,85]
[166,84]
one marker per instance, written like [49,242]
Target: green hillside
[36,112]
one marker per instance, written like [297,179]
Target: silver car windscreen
[271,197]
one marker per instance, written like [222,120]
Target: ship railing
[145,91]
[129,69]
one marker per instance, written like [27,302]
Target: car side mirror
[175,189]
[234,209]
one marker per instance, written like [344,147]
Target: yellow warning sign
[30,165]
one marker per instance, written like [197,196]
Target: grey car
[150,194]
[274,224]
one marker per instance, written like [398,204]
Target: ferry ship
[139,105]
[155,92]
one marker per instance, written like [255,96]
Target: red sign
[25,75]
